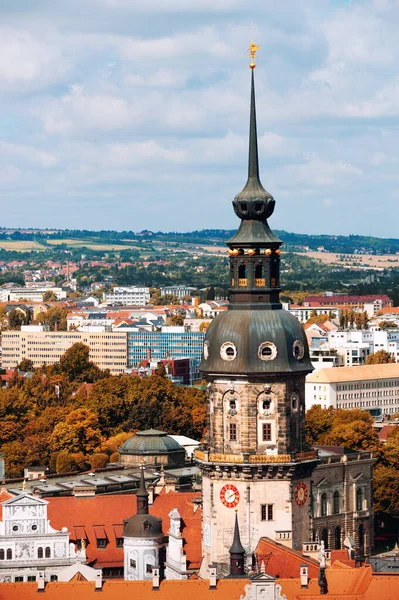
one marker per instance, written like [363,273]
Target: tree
[76,365]
[98,460]
[78,433]
[381,357]
[67,462]
[49,296]
[17,317]
[204,326]
[175,320]
[318,423]
[160,370]
[25,365]
[55,317]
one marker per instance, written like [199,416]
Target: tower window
[40,552]
[133,564]
[244,207]
[298,350]
[148,568]
[228,351]
[2,554]
[47,552]
[359,499]
[324,505]
[267,351]
[267,432]
[233,432]
[258,207]
[266,512]
[266,404]
[336,506]
[9,554]
[233,404]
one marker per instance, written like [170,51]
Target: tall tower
[255,360]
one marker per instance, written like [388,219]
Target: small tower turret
[237,553]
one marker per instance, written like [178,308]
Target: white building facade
[371,387]
[28,543]
[128,296]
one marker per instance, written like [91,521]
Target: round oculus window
[298,350]
[206,350]
[267,351]
[228,351]
[15,528]
[34,527]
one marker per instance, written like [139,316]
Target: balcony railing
[243,282]
[205,456]
[260,282]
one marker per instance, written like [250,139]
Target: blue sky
[127,114]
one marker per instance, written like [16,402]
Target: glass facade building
[166,344]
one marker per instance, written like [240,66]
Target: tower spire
[253,161]
[142,495]
[237,553]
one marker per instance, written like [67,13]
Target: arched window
[324,537]
[40,552]
[324,505]
[2,554]
[242,275]
[337,536]
[259,271]
[9,554]
[336,507]
[359,498]
[48,552]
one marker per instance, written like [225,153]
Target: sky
[133,114]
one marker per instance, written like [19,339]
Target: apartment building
[371,302]
[358,341]
[373,388]
[303,313]
[128,296]
[108,350]
[178,290]
[30,294]
[169,343]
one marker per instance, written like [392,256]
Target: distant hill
[294,241]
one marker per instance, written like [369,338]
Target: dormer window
[146,526]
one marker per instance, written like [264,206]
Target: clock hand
[230,496]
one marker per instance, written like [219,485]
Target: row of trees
[53,420]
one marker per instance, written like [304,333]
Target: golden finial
[252,49]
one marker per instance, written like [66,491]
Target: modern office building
[128,296]
[108,350]
[371,387]
[169,343]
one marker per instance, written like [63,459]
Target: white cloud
[29,62]
[28,153]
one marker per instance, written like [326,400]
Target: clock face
[229,495]
[301,493]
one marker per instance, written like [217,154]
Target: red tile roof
[385,431]
[83,517]
[281,561]
[331,300]
[194,589]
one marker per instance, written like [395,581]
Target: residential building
[356,303]
[367,341]
[126,296]
[178,290]
[169,343]
[370,387]
[34,294]
[303,313]
[108,350]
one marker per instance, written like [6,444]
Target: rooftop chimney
[41,584]
[304,576]
[155,578]
[99,580]
[212,576]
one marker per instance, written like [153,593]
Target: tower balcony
[243,282]
[204,456]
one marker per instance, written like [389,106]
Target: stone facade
[28,543]
[342,503]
